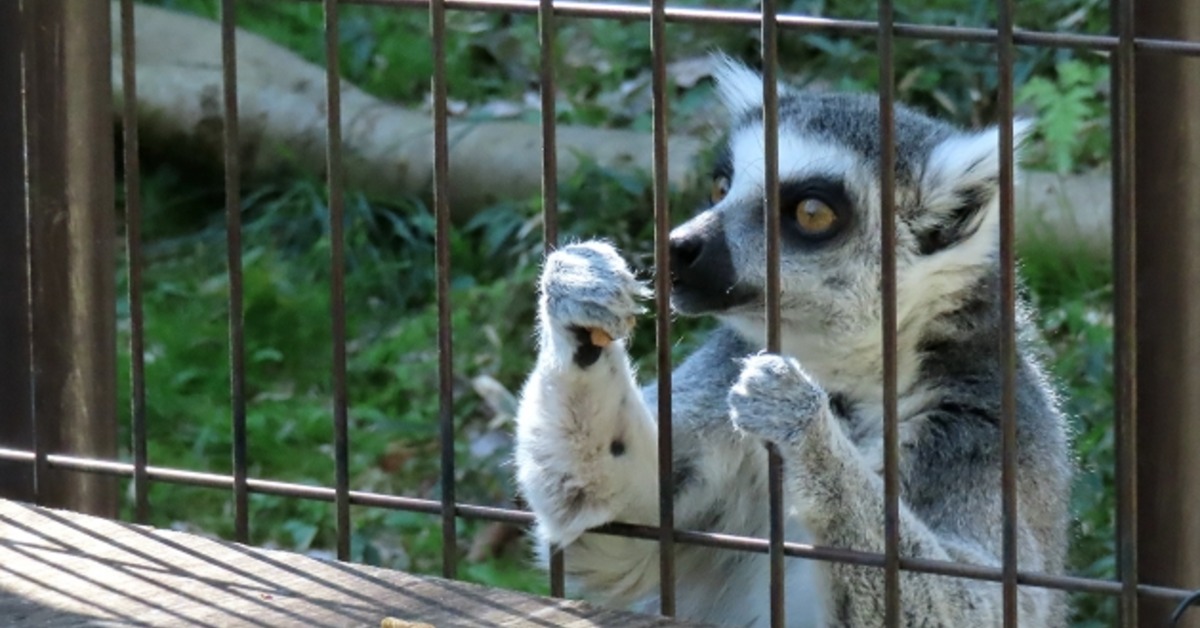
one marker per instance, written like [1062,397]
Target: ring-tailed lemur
[586,435]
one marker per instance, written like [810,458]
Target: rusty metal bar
[887,206]
[233,245]
[68,121]
[1125,307]
[557,575]
[133,251]
[1008,315]
[662,306]
[337,263]
[1167,259]
[805,24]
[777,516]
[16,480]
[441,204]
[549,93]
[525,518]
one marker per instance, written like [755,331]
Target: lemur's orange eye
[720,187]
[815,217]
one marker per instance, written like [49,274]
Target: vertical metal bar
[1125,310]
[337,262]
[16,369]
[1167,159]
[770,54]
[133,249]
[68,122]
[887,205]
[441,203]
[546,36]
[557,577]
[1008,305]
[233,243]
[662,306]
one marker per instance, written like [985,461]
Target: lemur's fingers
[588,286]
[775,399]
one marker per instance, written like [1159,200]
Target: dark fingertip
[587,354]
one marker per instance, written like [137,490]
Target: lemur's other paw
[775,399]
[589,293]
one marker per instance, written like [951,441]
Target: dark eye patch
[828,190]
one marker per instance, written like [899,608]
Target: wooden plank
[59,568]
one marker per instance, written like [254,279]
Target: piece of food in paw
[600,338]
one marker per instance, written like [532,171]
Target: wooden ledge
[60,568]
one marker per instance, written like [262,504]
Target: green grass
[390,298]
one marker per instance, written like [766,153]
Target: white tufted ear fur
[739,87]
[966,159]
[960,186]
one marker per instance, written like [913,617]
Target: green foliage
[1071,116]
[1073,292]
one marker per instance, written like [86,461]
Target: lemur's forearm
[586,451]
[585,443]
[843,506]
[840,499]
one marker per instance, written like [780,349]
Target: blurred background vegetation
[603,80]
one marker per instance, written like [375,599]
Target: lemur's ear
[739,87]
[960,185]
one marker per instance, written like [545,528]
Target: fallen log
[388,148]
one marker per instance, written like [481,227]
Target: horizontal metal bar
[803,23]
[1075,584]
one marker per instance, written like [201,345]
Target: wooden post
[69,141]
[1167,104]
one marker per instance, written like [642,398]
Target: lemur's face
[946,183]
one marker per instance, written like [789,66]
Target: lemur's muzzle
[702,275]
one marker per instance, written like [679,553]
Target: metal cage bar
[133,251]
[662,307]
[1008,314]
[802,23]
[1125,311]
[547,29]
[441,204]
[233,243]
[525,518]
[887,253]
[770,113]
[337,262]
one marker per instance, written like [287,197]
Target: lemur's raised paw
[588,287]
[775,399]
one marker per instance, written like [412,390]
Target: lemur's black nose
[695,246]
[684,252]
[702,274]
